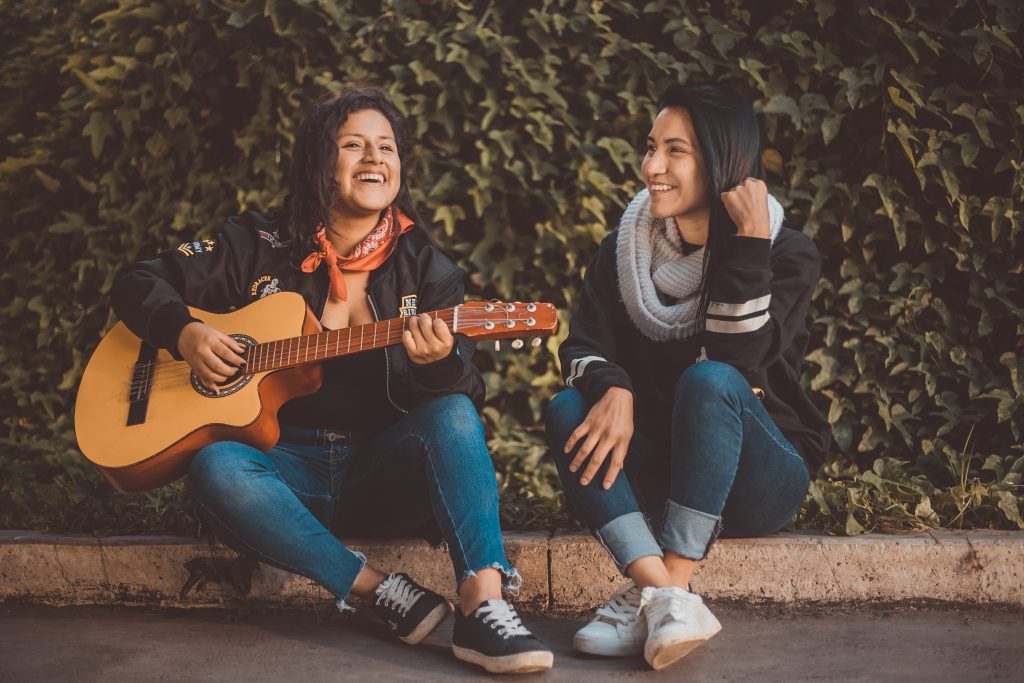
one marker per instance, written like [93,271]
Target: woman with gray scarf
[682,365]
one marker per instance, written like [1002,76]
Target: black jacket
[248,261]
[760,295]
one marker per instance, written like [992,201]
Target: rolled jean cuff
[628,538]
[688,532]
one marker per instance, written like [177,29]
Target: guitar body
[140,415]
[180,416]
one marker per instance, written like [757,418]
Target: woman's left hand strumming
[427,339]
[747,205]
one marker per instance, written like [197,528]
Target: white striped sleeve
[748,316]
[577,367]
[738,310]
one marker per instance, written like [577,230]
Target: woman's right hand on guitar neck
[211,353]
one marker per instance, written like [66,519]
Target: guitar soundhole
[232,384]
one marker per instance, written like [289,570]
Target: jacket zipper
[387,361]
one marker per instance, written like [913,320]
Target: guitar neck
[285,353]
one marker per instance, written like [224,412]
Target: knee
[215,468]
[563,415]
[454,414]
[709,379]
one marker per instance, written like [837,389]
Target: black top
[760,295]
[250,259]
[352,397]
[690,248]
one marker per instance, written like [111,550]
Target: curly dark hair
[312,179]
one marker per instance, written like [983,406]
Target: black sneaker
[494,638]
[409,609]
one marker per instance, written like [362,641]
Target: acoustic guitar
[141,415]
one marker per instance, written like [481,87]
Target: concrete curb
[563,572]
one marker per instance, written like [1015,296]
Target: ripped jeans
[727,468]
[288,506]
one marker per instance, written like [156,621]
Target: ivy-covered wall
[892,134]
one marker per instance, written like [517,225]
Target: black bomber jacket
[248,260]
[759,300]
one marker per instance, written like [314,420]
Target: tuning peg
[517,344]
[535,342]
[497,345]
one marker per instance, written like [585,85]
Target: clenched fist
[747,205]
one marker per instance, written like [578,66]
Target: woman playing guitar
[392,443]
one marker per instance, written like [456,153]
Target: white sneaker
[677,622]
[618,630]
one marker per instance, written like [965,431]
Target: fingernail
[573,469]
[584,481]
[607,485]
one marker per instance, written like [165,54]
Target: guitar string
[158,365]
[180,370]
[181,373]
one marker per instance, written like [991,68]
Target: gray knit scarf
[650,259]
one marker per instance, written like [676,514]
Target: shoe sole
[521,663]
[671,653]
[429,623]
[591,647]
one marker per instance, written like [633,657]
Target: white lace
[623,607]
[397,591]
[505,620]
[666,605]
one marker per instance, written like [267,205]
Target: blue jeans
[727,469]
[287,506]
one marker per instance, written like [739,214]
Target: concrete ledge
[562,572]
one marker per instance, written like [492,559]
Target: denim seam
[597,535]
[715,533]
[784,445]
[330,472]
[267,558]
[444,502]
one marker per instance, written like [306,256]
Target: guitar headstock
[482,320]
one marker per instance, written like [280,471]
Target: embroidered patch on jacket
[264,285]
[273,238]
[195,248]
[408,307]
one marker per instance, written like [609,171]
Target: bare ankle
[649,571]
[680,569]
[367,581]
[482,586]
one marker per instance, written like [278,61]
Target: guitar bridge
[142,384]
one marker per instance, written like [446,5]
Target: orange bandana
[368,254]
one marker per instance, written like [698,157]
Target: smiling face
[369,170]
[673,169]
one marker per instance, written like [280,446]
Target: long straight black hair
[726,129]
[312,177]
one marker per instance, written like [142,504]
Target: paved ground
[110,644]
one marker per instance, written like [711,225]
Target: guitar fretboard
[284,353]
